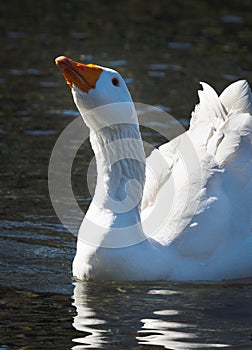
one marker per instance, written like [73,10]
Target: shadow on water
[163,51]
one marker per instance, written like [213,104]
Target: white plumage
[202,189]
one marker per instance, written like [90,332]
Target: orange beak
[82,75]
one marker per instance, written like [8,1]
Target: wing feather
[201,175]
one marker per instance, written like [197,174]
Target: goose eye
[115,82]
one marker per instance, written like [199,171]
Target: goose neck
[120,161]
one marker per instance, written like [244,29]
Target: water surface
[163,51]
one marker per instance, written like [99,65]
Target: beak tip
[61,59]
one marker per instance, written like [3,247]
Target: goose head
[105,104]
[95,88]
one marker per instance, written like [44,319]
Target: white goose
[192,221]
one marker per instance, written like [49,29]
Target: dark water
[128,316]
[163,49]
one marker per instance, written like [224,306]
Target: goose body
[193,219]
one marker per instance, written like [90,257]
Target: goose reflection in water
[117,318]
[86,320]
